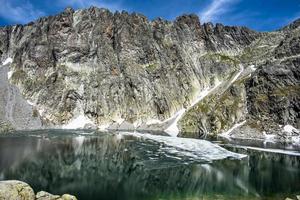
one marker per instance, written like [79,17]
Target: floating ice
[281,151]
[193,148]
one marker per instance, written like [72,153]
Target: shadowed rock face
[123,67]
[15,112]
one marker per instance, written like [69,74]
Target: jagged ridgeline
[123,71]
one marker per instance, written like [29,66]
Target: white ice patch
[195,148]
[281,151]
[30,103]
[9,74]
[252,67]
[119,120]
[269,137]
[293,133]
[173,130]
[78,122]
[7,61]
[103,127]
[237,75]
[204,93]
[153,121]
[290,129]
[227,133]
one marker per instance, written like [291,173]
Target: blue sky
[262,15]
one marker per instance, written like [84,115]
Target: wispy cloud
[215,9]
[19,11]
[87,3]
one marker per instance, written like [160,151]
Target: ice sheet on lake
[193,148]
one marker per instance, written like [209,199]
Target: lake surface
[133,166]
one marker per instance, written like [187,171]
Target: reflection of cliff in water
[112,167]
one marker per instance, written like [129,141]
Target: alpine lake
[96,165]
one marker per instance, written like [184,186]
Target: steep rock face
[126,72]
[115,67]
[15,112]
[273,92]
[263,98]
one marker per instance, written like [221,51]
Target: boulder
[15,190]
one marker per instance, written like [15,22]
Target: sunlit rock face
[118,166]
[122,71]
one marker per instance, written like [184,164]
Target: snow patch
[119,120]
[227,133]
[7,61]
[237,75]
[204,93]
[195,148]
[30,103]
[290,129]
[252,67]
[173,130]
[153,121]
[78,122]
[269,137]
[9,74]
[103,127]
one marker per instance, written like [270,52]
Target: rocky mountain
[96,69]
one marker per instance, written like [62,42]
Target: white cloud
[215,9]
[113,6]
[19,12]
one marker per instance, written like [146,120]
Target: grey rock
[42,195]
[15,190]
[15,112]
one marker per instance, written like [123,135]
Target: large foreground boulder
[18,190]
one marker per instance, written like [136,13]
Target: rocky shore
[17,190]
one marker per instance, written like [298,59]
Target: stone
[42,195]
[16,190]
[68,197]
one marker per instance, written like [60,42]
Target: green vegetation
[223,58]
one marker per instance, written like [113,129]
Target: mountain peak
[293,25]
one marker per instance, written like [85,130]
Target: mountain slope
[122,71]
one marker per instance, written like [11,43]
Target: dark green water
[113,166]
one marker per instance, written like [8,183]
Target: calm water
[114,166]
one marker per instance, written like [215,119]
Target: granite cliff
[96,69]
